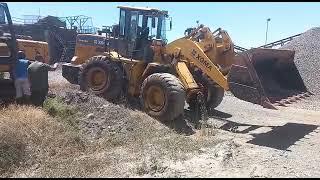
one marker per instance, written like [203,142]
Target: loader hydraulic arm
[187,50]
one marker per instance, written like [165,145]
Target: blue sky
[244,21]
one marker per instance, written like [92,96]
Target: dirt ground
[273,143]
[249,141]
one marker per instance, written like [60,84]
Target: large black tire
[215,96]
[213,93]
[111,86]
[174,96]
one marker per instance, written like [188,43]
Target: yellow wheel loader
[9,46]
[34,50]
[134,58]
[8,54]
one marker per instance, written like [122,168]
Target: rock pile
[307,57]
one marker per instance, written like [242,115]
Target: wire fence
[83,24]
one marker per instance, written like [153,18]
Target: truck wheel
[162,96]
[102,77]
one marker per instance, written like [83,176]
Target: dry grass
[38,143]
[29,136]
[52,142]
[147,144]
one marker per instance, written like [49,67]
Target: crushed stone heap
[307,57]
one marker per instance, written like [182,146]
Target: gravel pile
[311,103]
[307,61]
[98,117]
[307,57]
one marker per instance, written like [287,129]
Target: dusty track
[274,143]
[251,141]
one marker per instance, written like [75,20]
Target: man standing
[21,81]
[38,75]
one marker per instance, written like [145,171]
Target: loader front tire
[162,96]
[103,77]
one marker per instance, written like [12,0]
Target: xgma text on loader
[133,57]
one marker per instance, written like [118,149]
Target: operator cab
[139,27]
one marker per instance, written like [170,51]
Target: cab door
[132,34]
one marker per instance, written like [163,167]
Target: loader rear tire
[103,77]
[213,93]
[214,96]
[163,96]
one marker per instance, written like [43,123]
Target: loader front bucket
[266,77]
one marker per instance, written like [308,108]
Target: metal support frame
[240,48]
[279,42]
[82,23]
[271,45]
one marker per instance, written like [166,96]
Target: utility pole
[267,30]
[38,15]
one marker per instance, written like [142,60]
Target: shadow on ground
[282,137]
[186,125]
[279,137]
[218,114]
[181,125]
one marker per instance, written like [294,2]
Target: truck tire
[162,96]
[103,77]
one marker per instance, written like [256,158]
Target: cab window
[3,19]
[122,22]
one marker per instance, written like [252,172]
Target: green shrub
[1,75]
[57,108]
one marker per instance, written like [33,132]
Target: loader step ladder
[61,41]
[63,55]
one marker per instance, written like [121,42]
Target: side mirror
[153,23]
[170,24]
